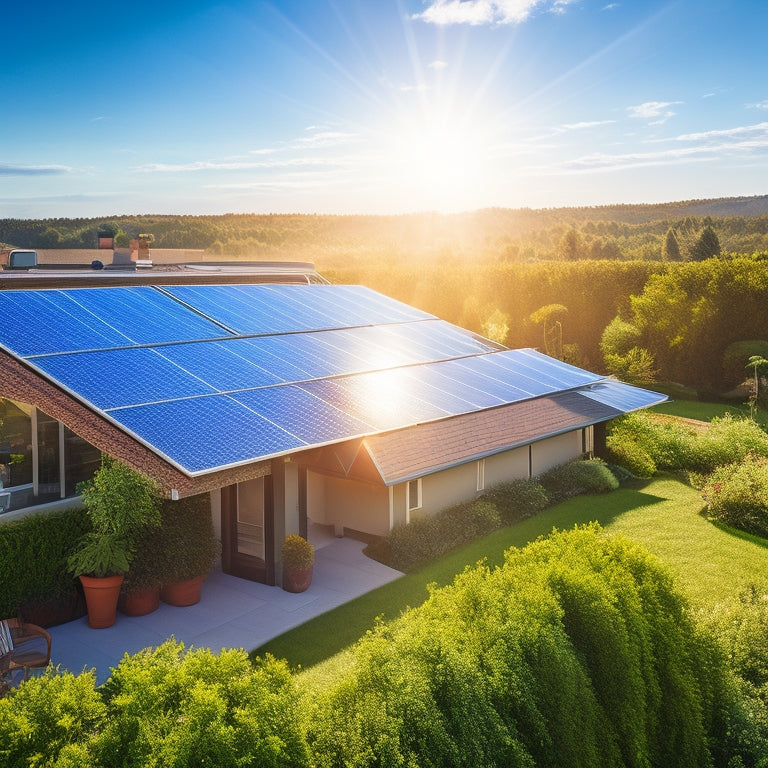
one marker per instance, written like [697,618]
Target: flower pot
[297,579]
[182,592]
[141,602]
[101,596]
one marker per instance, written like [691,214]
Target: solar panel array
[212,376]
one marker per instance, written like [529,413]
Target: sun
[437,159]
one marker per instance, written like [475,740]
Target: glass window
[414,494]
[481,475]
[81,460]
[15,444]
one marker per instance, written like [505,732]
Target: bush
[641,440]
[426,538]
[46,716]
[33,559]
[577,652]
[172,708]
[736,357]
[517,499]
[737,495]
[577,477]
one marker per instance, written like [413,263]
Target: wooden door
[247,530]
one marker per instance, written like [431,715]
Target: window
[414,494]
[481,475]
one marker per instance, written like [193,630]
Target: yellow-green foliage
[576,652]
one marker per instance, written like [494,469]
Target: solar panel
[119,377]
[622,397]
[204,433]
[302,414]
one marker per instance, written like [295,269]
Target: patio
[232,612]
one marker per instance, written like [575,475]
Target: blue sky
[355,106]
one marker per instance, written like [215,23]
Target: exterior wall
[509,465]
[348,503]
[216,512]
[555,450]
[444,489]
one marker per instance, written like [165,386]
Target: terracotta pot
[297,579]
[101,596]
[182,592]
[141,602]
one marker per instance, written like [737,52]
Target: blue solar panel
[622,397]
[205,433]
[470,391]
[144,314]
[376,308]
[297,411]
[224,365]
[117,377]
[41,322]
[478,373]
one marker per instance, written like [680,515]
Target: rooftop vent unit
[18,259]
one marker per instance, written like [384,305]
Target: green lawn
[710,564]
[693,409]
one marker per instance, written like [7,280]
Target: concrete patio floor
[232,612]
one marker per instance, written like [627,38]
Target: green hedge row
[33,559]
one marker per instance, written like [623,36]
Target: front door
[247,530]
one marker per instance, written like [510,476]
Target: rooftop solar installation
[215,376]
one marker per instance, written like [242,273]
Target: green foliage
[576,652]
[47,720]
[706,246]
[33,558]
[644,440]
[426,538]
[297,552]
[517,499]
[120,503]
[577,477]
[736,359]
[636,367]
[671,248]
[737,495]
[619,337]
[187,539]
[173,708]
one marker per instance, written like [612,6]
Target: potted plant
[120,504]
[298,557]
[140,593]
[189,548]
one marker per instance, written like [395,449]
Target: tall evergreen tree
[671,249]
[707,245]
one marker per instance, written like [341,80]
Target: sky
[378,106]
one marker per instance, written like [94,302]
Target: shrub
[517,499]
[736,357]
[737,495]
[577,652]
[426,538]
[297,552]
[630,455]
[48,715]
[173,708]
[33,559]
[577,477]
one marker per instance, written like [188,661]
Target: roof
[409,453]
[211,377]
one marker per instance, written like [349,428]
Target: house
[285,398]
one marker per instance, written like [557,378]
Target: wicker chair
[31,648]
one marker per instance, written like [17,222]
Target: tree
[548,316]
[706,246]
[571,245]
[671,248]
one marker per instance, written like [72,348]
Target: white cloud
[33,170]
[653,109]
[438,65]
[477,12]
[758,105]
[583,125]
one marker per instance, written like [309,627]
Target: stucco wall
[348,503]
[509,465]
[555,450]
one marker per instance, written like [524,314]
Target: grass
[693,409]
[711,564]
